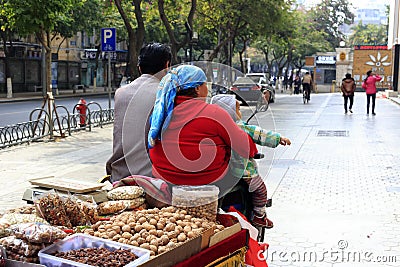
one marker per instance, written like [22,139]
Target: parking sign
[108,39]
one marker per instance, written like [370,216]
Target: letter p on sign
[108,39]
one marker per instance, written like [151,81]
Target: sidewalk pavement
[335,190]
[81,156]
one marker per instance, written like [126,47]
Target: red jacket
[196,147]
[369,85]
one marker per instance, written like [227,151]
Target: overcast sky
[355,3]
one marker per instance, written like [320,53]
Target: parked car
[246,90]
[218,89]
[263,80]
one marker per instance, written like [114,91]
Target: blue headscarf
[181,78]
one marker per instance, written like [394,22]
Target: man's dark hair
[153,57]
[348,75]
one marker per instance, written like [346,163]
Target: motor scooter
[239,196]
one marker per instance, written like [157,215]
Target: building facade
[73,63]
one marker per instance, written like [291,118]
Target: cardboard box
[182,252]
[224,234]
[232,226]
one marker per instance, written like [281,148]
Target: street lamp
[342,43]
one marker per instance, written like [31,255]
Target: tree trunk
[48,62]
[7,73]
[243,64]
[136,37]
[175,44]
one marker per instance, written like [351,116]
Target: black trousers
[307,87]
[346,99]
[369,96]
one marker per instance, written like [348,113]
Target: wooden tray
[64,184]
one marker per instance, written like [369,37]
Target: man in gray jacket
[132,107]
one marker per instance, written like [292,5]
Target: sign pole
[109,80]
[108,44]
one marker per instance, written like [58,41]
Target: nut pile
[51,208]
[28,209]
[28,238]
[115,206]
[100,257]
[9,219]
[21,250]
[37,232]
[199,201]
[74,213]
[125,192]
[207,211]
[157,230]
[67,211]
[89,209]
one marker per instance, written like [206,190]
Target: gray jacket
[133,105]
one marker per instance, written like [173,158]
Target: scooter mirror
[262,104]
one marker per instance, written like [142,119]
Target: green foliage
[109,17]
[6,14]
[328,16]
[368,34]
[292,40]
[272,26]
[37,16]
[176,12]
[238,21]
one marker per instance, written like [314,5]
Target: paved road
[19,111]
[333,196]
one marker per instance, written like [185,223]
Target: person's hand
[284,141]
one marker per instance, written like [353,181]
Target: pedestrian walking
[369,85]
[297,84]
[307,82]
[348,87]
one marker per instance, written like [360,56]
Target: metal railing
[36,129]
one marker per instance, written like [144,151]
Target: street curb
[395,100]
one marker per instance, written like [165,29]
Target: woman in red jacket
[369,85]
[190,141]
